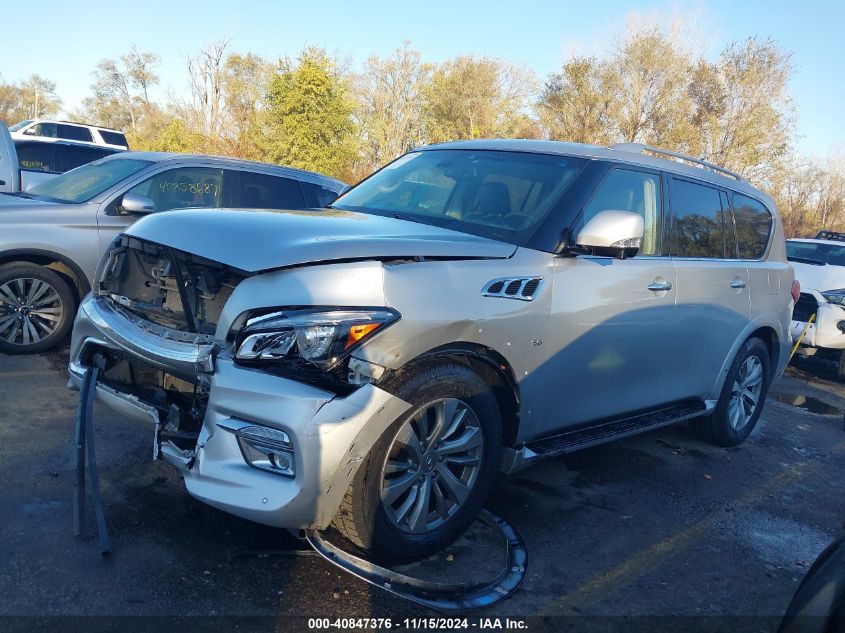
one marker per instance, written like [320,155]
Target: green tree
[576,103]
[470,97]
[389,110]
[33,98]
[308,119]
[245,86]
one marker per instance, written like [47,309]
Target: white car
[820,269]
[68,131]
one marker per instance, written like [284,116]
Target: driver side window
[629,190]
[184,187]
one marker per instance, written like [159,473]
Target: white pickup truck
[820,269]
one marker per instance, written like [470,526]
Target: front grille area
[168,287]
[805,307]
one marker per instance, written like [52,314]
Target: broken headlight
[322,337]
[835,296]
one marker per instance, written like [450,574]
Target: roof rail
[639,148]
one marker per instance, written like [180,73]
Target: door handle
[657,286]
[737,283]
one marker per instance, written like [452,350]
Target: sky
[70,38]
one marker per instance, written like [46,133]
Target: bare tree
[206,77]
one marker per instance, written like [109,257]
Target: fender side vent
[521,288]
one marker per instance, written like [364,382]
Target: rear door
[9,167]
[713,294]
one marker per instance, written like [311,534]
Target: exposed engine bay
[168,287]
[183,295]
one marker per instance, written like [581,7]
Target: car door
[612,320]
[713,295]
[9,168]
[171,188]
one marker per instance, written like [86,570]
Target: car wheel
[430,473]
[36,309]
[742,397]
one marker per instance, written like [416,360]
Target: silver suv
[468,309]
[53,234]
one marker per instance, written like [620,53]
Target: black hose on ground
[84,437]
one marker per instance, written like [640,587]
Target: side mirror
[616,233]
[135,204]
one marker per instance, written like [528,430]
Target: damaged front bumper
[330,435]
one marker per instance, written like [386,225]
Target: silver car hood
[261,240]
[8,202]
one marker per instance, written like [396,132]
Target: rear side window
[74,157]
[36,157]
[698,224]
[629,190]
[74,133]
[317,195]
[260,191]
[114,138]
[753,226]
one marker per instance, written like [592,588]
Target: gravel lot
[661,526]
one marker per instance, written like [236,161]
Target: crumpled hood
[260,240]
[821,278]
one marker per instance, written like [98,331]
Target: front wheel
[742,397]
[430,473]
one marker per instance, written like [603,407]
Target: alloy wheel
[745,393]
[432,466]
[30,311]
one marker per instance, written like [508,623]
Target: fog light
[841,325]
[266,449]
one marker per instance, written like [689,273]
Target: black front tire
[12,340]
[363,519]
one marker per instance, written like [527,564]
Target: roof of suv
[606,153]
[170,157]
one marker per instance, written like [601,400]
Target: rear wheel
[431,472]
[36,309]
[742,397]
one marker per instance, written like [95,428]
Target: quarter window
[186,187]
[36,157]
[317,195]
[261,191]
[113,138]
[699,221]
[636,191]
[753,226]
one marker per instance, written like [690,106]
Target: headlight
[835,296]
[321,337]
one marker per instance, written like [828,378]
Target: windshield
[816,253]
[17,126]
[83,183]
[500,195]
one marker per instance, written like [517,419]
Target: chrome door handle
[657,286]
[737,283]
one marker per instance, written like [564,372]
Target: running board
[602,432]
